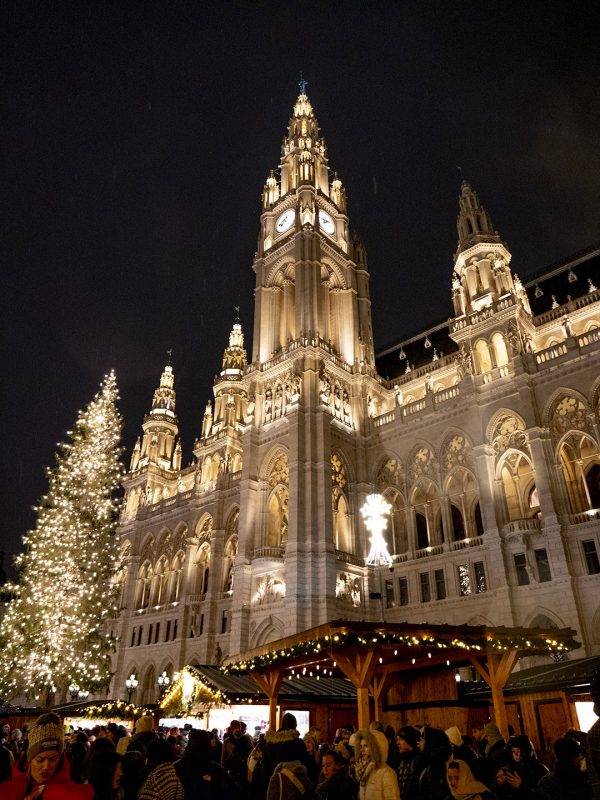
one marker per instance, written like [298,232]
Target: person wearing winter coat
[202,778]
[520,759]
[335,782]
[290,780]
[567,781]
[105,773]
[46,772]
[377,780]
[143,734]
[274,741]
[460,751]
[409,761]
[463,785]
[162,782]
[433,783]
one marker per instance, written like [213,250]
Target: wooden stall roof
[302,687]
[572,676]
[399,645]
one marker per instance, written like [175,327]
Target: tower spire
[474,224]
[160,425]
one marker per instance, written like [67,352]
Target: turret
[481,273]
[160,426]
[229,399]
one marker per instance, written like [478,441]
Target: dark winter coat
[273,743]
[341,786]
[205,780]
[565,783]
[283,787]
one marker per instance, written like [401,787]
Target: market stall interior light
[375,512]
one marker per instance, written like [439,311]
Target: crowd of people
[375,763]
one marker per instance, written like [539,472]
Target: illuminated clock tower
[308,389]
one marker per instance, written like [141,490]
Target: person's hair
[336,757]
[198,746]
[159,752]
[288,722]
[101,769]
[292,750]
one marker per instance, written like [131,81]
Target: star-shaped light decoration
[375,512]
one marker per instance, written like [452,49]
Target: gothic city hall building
[483,434]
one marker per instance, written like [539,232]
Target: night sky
[137,138]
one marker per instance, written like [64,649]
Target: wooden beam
[360,668]
[496,673]
[269,682]
[377,689]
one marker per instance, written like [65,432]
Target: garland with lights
[187,689]
[53,634]
[325,644]
[117,709]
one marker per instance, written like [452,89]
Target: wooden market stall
[374,656]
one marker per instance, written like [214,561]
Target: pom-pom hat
[46,734]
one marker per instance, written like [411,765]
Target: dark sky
[137,138]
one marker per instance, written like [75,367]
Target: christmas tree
[52,635]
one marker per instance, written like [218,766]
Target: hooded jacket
[60,787]
[377,780]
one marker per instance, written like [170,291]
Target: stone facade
[482,433]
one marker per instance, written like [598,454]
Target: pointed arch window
[580,463]
[517,479]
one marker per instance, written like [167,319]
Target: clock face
[285,221]
[326,223]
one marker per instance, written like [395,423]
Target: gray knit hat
[46,734]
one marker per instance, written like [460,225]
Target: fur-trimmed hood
[378,745]
[279,737]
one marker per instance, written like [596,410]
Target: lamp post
[131,684]
[163,681]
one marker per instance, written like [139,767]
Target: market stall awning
[368,653]
[209,685]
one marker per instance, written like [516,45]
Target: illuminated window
[480,579]
[464,580]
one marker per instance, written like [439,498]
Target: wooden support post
[359,667]
[269,682]
[377,689]
[495,673]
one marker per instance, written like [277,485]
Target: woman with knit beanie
[377,780]
[46,773]
[411,762]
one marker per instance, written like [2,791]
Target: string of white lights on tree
[53,634]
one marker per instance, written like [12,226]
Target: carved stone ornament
[509,432]
[338,472]
[280,472]
[456,453]
[390,474]
[269,590]
[422,464]
[348,589]
[569,414]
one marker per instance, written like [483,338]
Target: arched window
[144,581]
[342,526]
[500,349]
[463,494]
[202,569]
[175,578]
[229,556]
[160,580]
[428,517]
[484,358]
[276,528]
[342,534]
[395,532]
[518,483]
[580,463]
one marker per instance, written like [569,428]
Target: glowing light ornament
[375,512]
